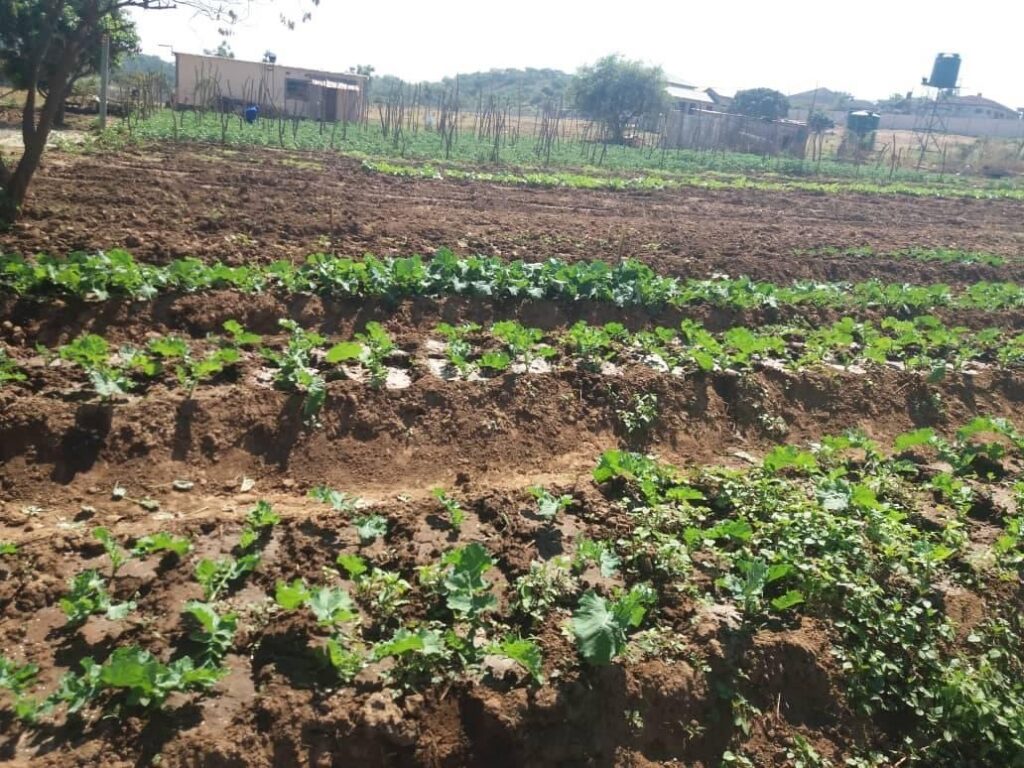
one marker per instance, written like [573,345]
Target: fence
[736,133]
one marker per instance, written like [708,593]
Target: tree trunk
[34,135]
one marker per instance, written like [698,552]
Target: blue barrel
[251,113]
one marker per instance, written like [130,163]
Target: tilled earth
[239,440]
[263,205]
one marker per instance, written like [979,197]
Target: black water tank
[945,71]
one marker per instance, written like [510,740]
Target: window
[296,90]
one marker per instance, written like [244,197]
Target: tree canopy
[766,103]
[45,45]
[616,91]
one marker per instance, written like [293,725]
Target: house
[722,99]
[686,96]
[218,82]
[977,106]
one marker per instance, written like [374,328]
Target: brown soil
[264,205]
[62,452]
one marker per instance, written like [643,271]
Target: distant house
[978,106]
[722,99]
[686,96]
[215,81]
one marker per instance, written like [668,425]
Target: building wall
[248,82]
[986,127]
[737,133]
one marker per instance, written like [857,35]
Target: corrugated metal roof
[688,94]
[334,85]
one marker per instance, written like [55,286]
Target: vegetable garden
[325,505]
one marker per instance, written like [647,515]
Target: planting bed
[377,513]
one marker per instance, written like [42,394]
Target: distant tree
[819,122]
[19,70]
[364,69]
[223,50]
[47,41]
[617,91]
[765,103]
[145,64]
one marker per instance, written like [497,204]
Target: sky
[870,48]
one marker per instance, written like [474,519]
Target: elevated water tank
[945,71]
[862,122]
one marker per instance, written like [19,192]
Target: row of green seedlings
[869,546]
[98,277]
[660,181]
[939,255]
[924,343]
[132,678]
[114,372]
[838,532]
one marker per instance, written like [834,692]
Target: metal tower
[931,119]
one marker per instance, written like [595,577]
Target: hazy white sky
[870,48]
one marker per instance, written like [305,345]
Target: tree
[765,103]
[47,41]
[223,50]
[123,40]
[617,91]
[819,122]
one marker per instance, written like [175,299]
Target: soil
[61,453]
[263,205]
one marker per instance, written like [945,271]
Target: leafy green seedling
[215,633]
[161,542]
[118,557]
[339,501]
[549,505]
[526,653]
[216,575]
[87,596]
[601,626]
[456,514]
[371,527]
[239,336]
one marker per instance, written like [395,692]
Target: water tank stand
[931,123]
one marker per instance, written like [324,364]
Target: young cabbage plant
[456,514]
[549,505]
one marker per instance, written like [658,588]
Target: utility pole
[104,80]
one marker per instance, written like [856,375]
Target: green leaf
[117,611]
[788,600]
[291,596]
[331,605]
[423,641]
[371,527]
[526,653]
[162,542]
[130,668]
[346,350]
[789,456]
[496,361]
[353,564]
[907,440]
[599,636]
